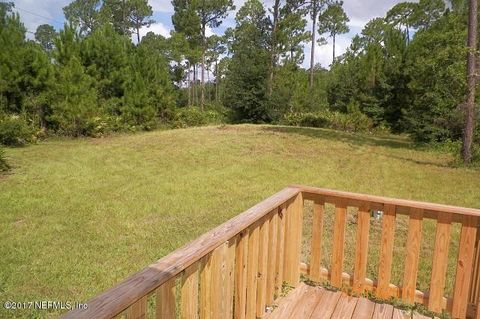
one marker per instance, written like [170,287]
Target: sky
[36,12]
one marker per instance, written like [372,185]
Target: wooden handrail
[237,269]
[115,300]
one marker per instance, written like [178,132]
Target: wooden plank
[361,252]
[288,303]
[440,262]
[338,245]
[272,257]
[206,287]
[252,271]
[316,241]
[280,250]
[241,257]
[262,268]
[308,301]
[463,275]
[138,310]
[327,304]
[218,281]
[189,293]
[364,309]
[383,311]
[116,299]
[293,241]
[386,252]
[230,280]
[414,239]
[289,252]
[400,314]
[345,307]
[165,301]
[309,192]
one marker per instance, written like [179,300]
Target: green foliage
[4,166]
[45,36]
[14,131]
[349,122]
[193,116]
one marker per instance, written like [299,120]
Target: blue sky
[36,12]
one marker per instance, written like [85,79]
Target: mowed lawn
[78,216]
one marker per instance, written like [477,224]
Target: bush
[193,116]
[14,131]
[350,122]
[3,161]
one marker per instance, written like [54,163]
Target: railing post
[293,240]
[473,296]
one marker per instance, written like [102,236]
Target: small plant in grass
[3,161]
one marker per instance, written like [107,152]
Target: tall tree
[128,16]
[216,48]
[334,22]
[211,13]
[314,8]
[84,14]
[469,121]
[401,15]
[45,36]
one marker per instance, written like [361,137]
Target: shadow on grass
[357,139]
[361,139]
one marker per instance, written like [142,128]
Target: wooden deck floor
[307,302]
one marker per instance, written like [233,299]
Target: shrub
[14,131]
[350,122]
[193,116]
[3,161]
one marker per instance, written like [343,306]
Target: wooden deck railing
[237,270]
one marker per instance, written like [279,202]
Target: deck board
[308,302]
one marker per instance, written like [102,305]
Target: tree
[83,14]
[216,48]
[45,36]
[469,117]
[401,14]
[211,13]
[334,21]
[247,76]
[128,16]
[427,12]
[314,8]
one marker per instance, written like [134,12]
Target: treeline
[405,72]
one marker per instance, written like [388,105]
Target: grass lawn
[80,215]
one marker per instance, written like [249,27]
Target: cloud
[157,28]
[324,53]
[161,5]
[34,13]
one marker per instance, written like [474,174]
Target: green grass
[80,215]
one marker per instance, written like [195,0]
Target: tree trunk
[333,60]
[469,123]
[189,84]
[216,81]
[408,35]
[202,99]
[194,87]
[312,51]
[138,33]
[273,62]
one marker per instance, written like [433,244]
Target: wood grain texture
[414,239]
[189,293]
[230,279]
[338,244]
[218,281]
[364,309]
[280,250]
[308,301]
[252,271]
[316,241]
[241,257]
[383,311]
[327,304]
[165,301]
[116,299]
[463,276]
[272,257]
[386,252]
[345,307]
[400,314]
[361,251]
[138,310]
[206,287]
[440,262]
[262,267]
[288,303]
